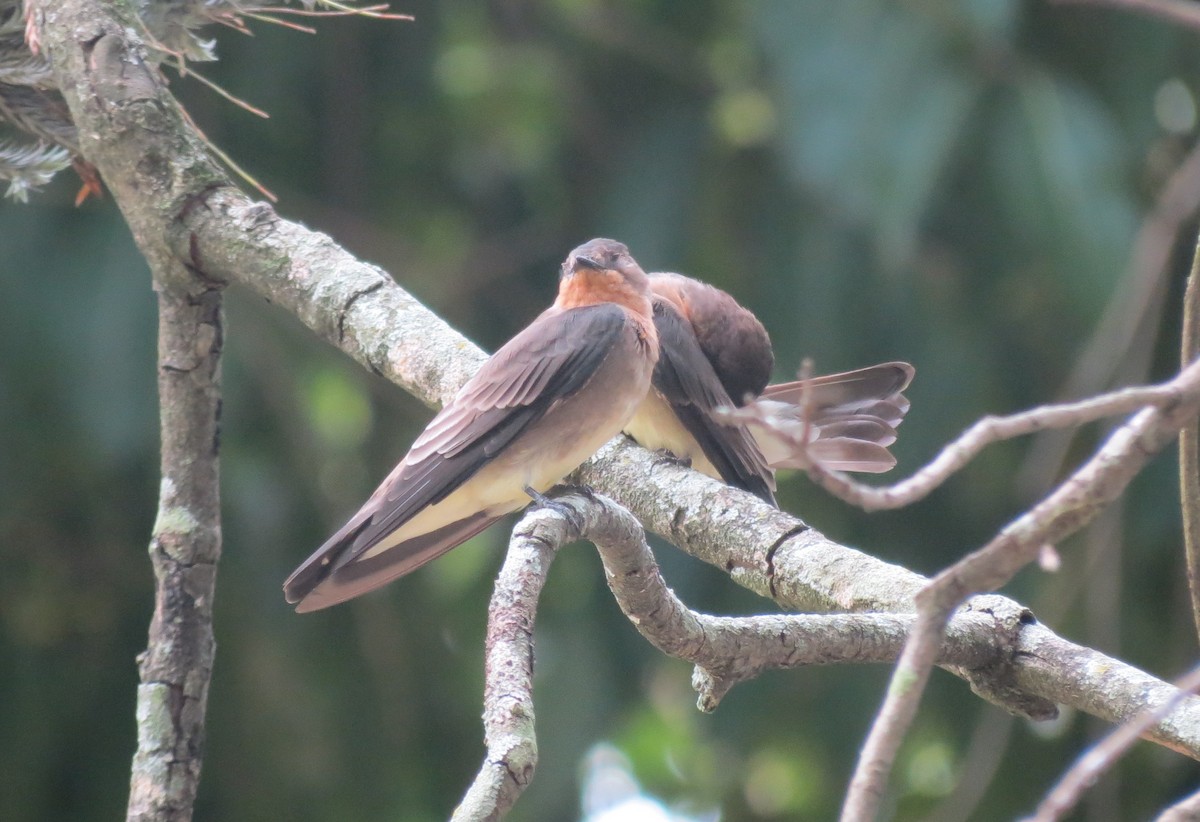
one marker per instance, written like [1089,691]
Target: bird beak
[586,262]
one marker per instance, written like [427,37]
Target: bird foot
[665,456]
[564,510]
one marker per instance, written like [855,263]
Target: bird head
[602,270]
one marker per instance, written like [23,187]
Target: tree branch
[1088,768]
[1067,509]
[176,667]
[959,453]
[508,671]
[109,86]
[725,650]
[1189,443]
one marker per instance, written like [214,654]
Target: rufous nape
[537,409]
[715,353]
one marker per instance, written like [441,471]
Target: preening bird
[537,409]
[714,353]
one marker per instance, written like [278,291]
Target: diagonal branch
[1070,507]
[959,453]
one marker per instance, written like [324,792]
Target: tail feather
[850,418]
[317,584]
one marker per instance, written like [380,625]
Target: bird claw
[561,508]
[665,456]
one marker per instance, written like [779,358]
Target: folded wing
[685,378]
[550,360]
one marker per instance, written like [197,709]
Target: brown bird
[715,353]
[537,409]
[712,352]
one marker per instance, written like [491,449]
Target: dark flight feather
[551,359]
[686,380]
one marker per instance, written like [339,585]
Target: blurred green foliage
[957,184]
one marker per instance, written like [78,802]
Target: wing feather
[687,381]
[551,359]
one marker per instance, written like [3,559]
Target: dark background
[957,184]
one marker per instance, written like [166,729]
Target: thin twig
[1130,319]
[1071,506]
[287,24]
[365,11]
[179,65]
[1088,768]
[1185,810]
[1189,444]
[1183,12]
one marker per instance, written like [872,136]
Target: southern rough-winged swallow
[537,409]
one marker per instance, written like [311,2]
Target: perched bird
[537,409]
[713,354]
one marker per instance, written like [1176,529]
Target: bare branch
[176,668]
[1071,506]
[508,689]
[1189,444]
[1120,347]
[729,650]
[1185,810]
[1088,768]
[1182,12]
[725,650]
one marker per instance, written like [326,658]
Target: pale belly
[656,427]
[540,458]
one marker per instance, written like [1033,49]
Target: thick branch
[111,89]
[729,650]
[176,668]
[1088,768]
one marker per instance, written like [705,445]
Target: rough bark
[152,164]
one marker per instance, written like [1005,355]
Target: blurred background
[960,184]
